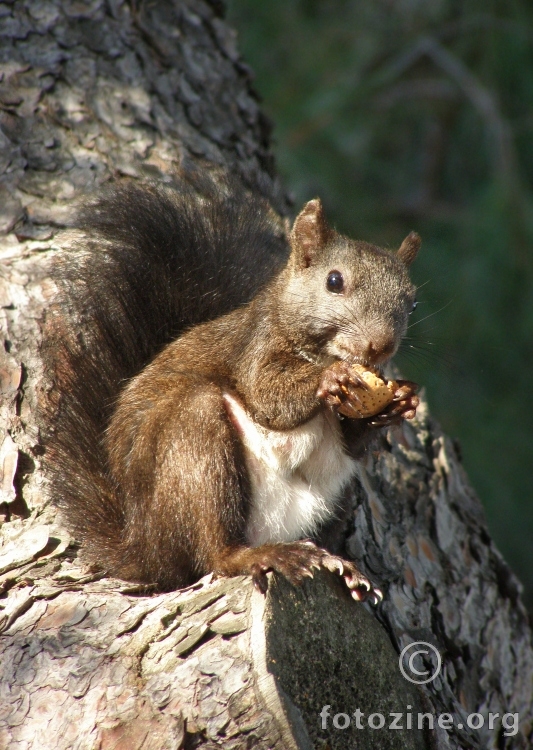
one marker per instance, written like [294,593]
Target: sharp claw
[352,394]
[334,565]
[360,382]
[381,421]
[355,583]
[364,592]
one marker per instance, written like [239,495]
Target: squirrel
[199,362]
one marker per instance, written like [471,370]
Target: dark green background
[408,114]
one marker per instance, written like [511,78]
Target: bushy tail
[148,262]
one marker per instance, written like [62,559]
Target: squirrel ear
[310,233]
[409,248]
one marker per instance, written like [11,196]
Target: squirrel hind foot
[295,561]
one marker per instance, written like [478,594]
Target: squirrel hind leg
[295,561]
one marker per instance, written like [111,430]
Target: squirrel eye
[335,282]
[415,303]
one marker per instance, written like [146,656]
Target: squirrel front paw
[340,389]
[403,406]
[359,393]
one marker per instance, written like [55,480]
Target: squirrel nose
[378,350]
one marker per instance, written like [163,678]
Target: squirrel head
[348,299]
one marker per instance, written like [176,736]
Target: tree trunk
[91,91]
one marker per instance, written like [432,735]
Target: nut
[371,401]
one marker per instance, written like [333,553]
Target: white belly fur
[296,475]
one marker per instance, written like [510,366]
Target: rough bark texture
[91,91]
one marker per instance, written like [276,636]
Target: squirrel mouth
[353,359]
[353,356]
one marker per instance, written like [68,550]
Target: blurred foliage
[404,114]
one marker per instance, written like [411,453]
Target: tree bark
[91,91]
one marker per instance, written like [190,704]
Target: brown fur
[170,504]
